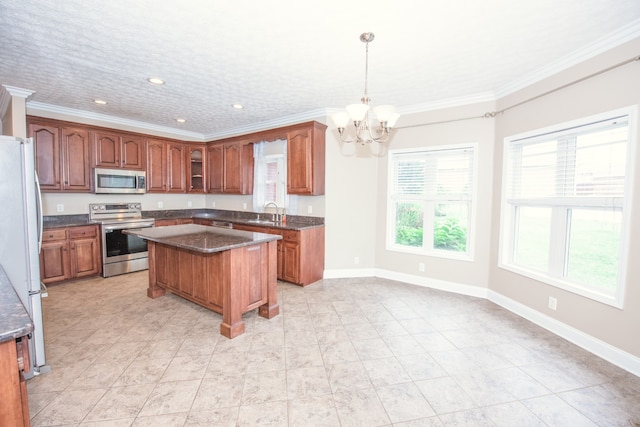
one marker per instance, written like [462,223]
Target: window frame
[428,223]
[561,227]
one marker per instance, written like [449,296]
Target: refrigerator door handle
[40,214]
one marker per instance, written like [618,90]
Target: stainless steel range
[121,253]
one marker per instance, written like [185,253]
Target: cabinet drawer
[291,235]
[83,232]
[53,235]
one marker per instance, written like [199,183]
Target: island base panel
[230,282]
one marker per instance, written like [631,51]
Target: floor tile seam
[586,415]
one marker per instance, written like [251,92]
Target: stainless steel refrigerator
[20,234]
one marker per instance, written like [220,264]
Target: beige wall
[608,91]
[417,132]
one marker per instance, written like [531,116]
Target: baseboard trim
[618,357]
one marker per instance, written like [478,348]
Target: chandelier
[359,113]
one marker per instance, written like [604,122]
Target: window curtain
[259,176]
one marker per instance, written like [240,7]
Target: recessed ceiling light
[155,80]
[237,106]
[100,101]
[181,120]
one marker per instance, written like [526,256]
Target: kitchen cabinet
[118,150]
[215,168]
[47,150]
[230,168]
[14,362]
[196,169]
[306,159]
[156,165]
[176,182]
[70,253]
[300,252]
[62,156]
[166,166]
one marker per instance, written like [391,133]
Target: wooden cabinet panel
[47,151]
[14,407]
[76,170]
[69,253]
[106,148]
[306,159]
[232,169]
[85,251]
[215,168]
[291,261]
[196,169]
[156,166]
[133,151]
[176,182]
[54,261]
[118,150]
[300,252]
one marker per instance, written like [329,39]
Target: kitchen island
[228,271]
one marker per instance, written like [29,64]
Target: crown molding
[623,35]
[7,92]
[448,103]
[269,124]
[54,111]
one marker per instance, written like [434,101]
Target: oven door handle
[108,228]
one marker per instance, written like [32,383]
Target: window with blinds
[564,205]
[430,200]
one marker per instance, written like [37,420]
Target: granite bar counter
[228,271]
[14,319]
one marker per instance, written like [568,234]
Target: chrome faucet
[276,216]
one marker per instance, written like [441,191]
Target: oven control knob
[94,207]
[102,207]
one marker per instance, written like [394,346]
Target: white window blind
[564,214]
[430,200]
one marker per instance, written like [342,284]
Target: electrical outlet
[244,206]
[189,203]
[160,205]
[356,260]
[553,303]
[213,204]
[60,207]
[421,266]
[309,209]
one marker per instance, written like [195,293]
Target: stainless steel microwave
[119,181]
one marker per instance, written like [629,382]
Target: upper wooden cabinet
[196,169]
[166,166]
[230,168]
[176,176]
[62,156]
[47,148]
[306,159]
[118,150]
[215,168]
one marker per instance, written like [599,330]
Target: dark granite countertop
[14,319]
[59,221]
[294,222]
[201,238]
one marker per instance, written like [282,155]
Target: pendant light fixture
[359,113]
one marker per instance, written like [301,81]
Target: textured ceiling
[284,59]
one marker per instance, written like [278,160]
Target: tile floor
[343,352]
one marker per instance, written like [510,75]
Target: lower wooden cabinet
[14,362]
[70,253]
[173,221]
[300,252]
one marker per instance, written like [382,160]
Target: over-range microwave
[119,181]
